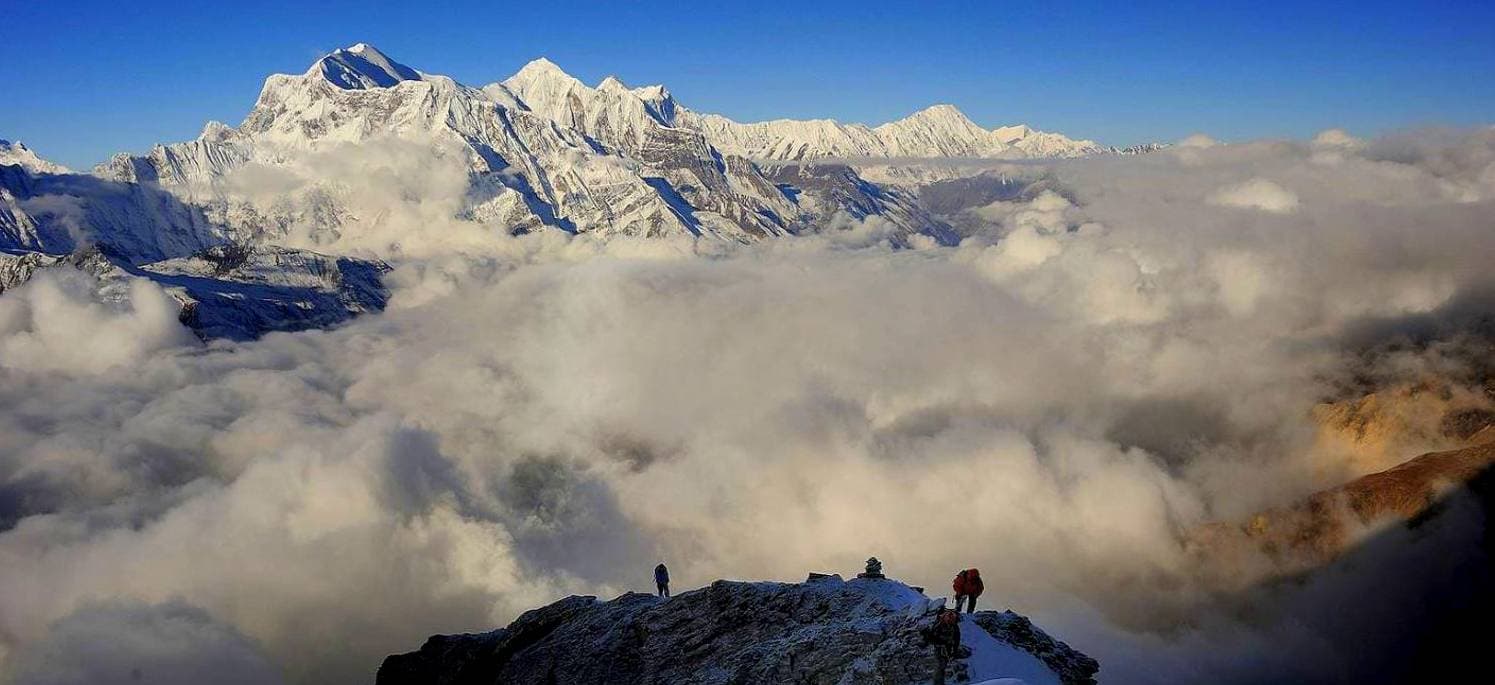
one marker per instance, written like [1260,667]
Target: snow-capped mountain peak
[940,112]
[540,71]
[14,152]
[659,101]
[362,66]
[938,131]
[654,93]
[611,111]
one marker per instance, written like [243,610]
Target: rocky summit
[825,630]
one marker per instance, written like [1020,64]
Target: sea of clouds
[1058,400]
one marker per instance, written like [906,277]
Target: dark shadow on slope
[136,221]
[1412,603]
[956,195]
[678,204]
[103,225]
[244,310]
[1470,314]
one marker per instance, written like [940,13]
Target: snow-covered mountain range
[936,132]
[612,109]
[543,151]
[539,151]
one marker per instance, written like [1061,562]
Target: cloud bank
[1058,401]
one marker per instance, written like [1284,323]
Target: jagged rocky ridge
[824,630]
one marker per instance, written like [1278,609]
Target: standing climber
[945,636]
[662,579]
[967,588]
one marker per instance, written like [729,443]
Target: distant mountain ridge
[935,132]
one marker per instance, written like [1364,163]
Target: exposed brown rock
[1323,525]
[1379,429]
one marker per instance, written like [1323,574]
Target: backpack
[973,583]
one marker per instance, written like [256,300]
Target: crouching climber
[662,580]
[967,588]
[945,636]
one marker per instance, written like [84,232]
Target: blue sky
[86,79]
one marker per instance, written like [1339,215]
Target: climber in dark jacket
[967,588]
[945,636]
[662,580]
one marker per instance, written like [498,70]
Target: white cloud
[52,323]
[1197,140]
[546,414]
[1257,193]
[1337,138]
[126,643]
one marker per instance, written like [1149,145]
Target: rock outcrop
[825,630]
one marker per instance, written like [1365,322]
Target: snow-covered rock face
[704,187]
[822,631]
[60,213]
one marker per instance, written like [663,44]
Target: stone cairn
[874,569]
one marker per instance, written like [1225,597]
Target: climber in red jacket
[967,586]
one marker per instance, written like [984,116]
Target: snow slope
[992,659]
